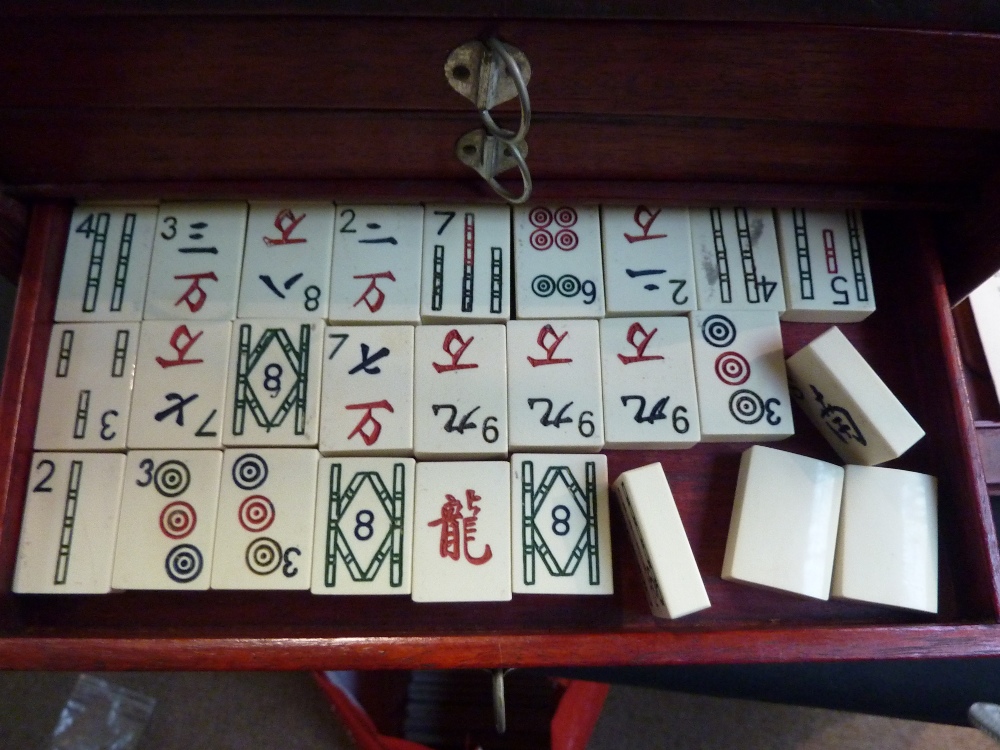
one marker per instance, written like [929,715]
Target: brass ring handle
[498,48]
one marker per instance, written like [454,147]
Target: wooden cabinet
[837,108]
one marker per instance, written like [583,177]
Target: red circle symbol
[178,519]
[732,368]
[566,217]
[540,217]
[256,513]
[566,239]
[541,239]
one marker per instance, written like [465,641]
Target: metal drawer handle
[487,75]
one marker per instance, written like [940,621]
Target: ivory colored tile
[674,586]
[286,260]
[824,258]
[87,387]
[557,262]
[736,261]
[106,264]
[273,388]
[264,527]
[70,521]
[180,385]
[648,260]
[783,531]
[985,302]
[848,402]
[740,371]
[363,540]
[461,532]
[460,391]
[367,405]
[376,265]
[554,385]
[197,253]
[560,533]
[466,264]
[887,547]
[166,533]
[650,399]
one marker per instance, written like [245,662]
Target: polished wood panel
[13,227]
[767,71]
[966,15]
[73,146]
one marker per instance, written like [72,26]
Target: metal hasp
[488,74]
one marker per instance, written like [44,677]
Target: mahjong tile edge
[321,108]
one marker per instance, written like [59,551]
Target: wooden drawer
[714,104]
[911,341]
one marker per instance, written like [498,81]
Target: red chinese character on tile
[369,428]
[451,338]
[644,219]
[635,330]
[195,296]
[285,222]
[549,340]
[458,530]
[376,305]
[181,348]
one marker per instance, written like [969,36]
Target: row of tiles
[286,518]
[410,264]
[467,391]
[462,531]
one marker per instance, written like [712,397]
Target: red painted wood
[64,145]
[850,75]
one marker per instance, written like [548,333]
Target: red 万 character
[376,305]
[374,427]
[549,340]
[195,296]
[640,355]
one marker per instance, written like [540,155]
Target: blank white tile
[197,253]
[648,260]
[180,385]
[106,264]
[736,261]
[554,385]
[783,531]
[461,532]
[650,399]
[466,264]
[376,264]
[264,527]
[560,530]
[367,404]
[824,258]
[70,520]
[166,533]
[363,540]
[557,262]
[674,586]
[87,389]
[460,391]
[286,260]
[887,547]
[849,404]
[739,366]
[273,389]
